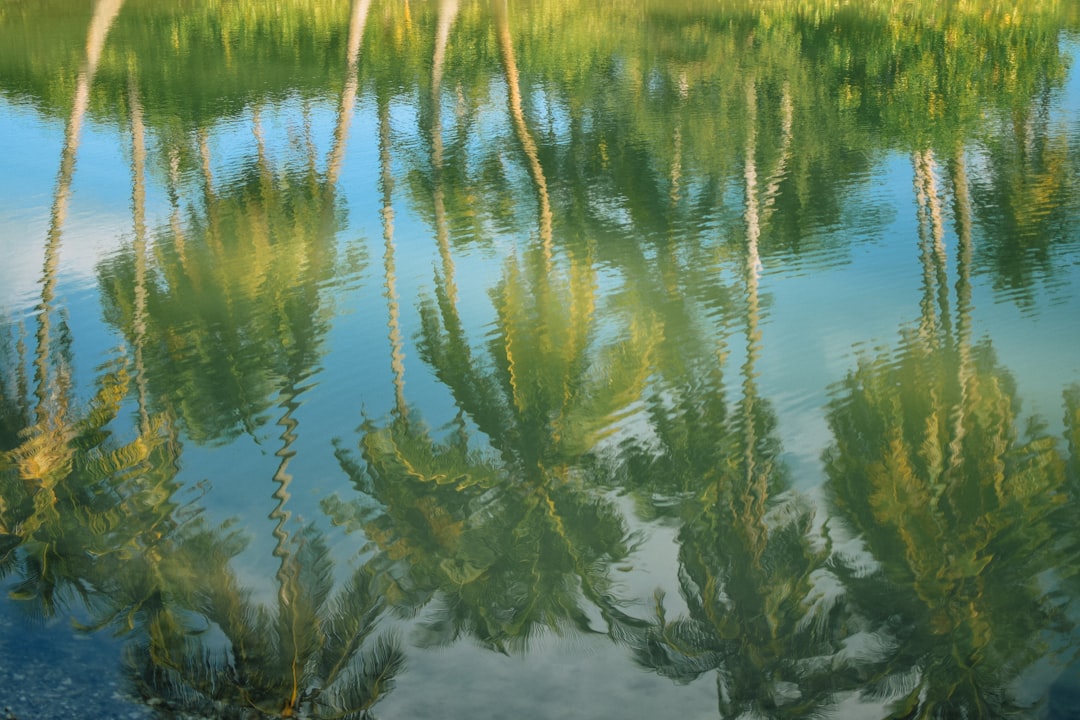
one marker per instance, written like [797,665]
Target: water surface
[476,360]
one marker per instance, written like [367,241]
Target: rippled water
[455,359]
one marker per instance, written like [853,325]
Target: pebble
[50,671]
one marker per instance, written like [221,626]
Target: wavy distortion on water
[552,423]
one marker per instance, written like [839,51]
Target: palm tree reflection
[749,570]
[965,517]
[513,542]
[500,543]
[313,654]
[66,487]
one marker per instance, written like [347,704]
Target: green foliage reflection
[514,541]
[967,518]
[750,570]
[313,654]
[233,307]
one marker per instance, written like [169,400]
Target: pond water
[543,359]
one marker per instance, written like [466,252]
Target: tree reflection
[1022,201]
[1072,431]
[313,654]
[67,488]
[490,557]
[510,542]
[67,485]
[963,514]
[235,304]
[607,325]
[749,570]
[310,655]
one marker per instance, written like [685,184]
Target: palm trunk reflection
[138,202]
[105,12]
[447,12]
[386,184]
[521,129]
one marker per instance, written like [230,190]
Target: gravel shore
[50,671]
